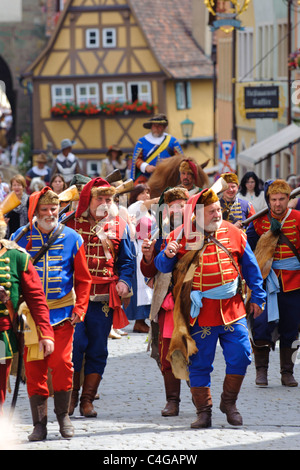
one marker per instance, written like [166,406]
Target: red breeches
[4,373]
[164,343]
[59,362]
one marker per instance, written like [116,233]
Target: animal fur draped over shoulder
[166,174]
[182,344]
[264,253]
[11,245]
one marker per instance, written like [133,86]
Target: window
[265,52]
[183,95]
[282,49]
[87,93]
[245,54]
[92,38]
[62,94]
[94,168]
[139,91]
[114,92]
[109,37]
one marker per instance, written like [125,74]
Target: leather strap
[220,245]
[47,245]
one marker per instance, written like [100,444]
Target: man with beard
[161,313]
[212,257]
[152,148]
[189,176]
[19,277]
[66,282]
[110,262]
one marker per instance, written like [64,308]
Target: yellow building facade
[103,74]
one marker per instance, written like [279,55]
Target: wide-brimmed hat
[65,143]
[114,148]
[157,119]
[41,158]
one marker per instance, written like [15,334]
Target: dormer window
[109,37]
[92,38]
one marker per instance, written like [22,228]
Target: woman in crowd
[139,211]
[58,183]
[18,216]
[114,161]
[251,192]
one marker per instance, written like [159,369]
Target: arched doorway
[7,100]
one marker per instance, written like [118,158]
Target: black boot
[38,405]
[172,388]
[61,408]
[202,400]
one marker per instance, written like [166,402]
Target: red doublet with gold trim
[100,254]
[215,269]
[291,229]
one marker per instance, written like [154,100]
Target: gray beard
[213,226]
[47,225]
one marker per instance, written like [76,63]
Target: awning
[270,146]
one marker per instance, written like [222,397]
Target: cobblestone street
[129,411]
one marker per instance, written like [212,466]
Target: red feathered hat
[86,193]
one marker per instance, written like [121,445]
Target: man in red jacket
[209,304]
[275,237]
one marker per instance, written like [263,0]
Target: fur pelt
[166,174]
[182,344]
[264,253]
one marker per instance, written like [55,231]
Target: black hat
[157,119]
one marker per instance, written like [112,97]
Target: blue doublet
[144,148]
[55,268]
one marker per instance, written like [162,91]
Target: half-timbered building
[108,66]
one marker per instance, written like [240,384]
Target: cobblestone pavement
[129,411]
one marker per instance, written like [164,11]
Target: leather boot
[261,358]
[75,393]
[231,387]
[202,400]
[89,390]
[287,367]
[172,388]
[61,408]
[38,405]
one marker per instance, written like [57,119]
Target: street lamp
[187,129]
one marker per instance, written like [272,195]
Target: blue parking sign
[227,156]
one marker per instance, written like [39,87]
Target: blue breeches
[90,339]
[235,343]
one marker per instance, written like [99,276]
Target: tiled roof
[167,25]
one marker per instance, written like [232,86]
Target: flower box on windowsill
[66,110]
